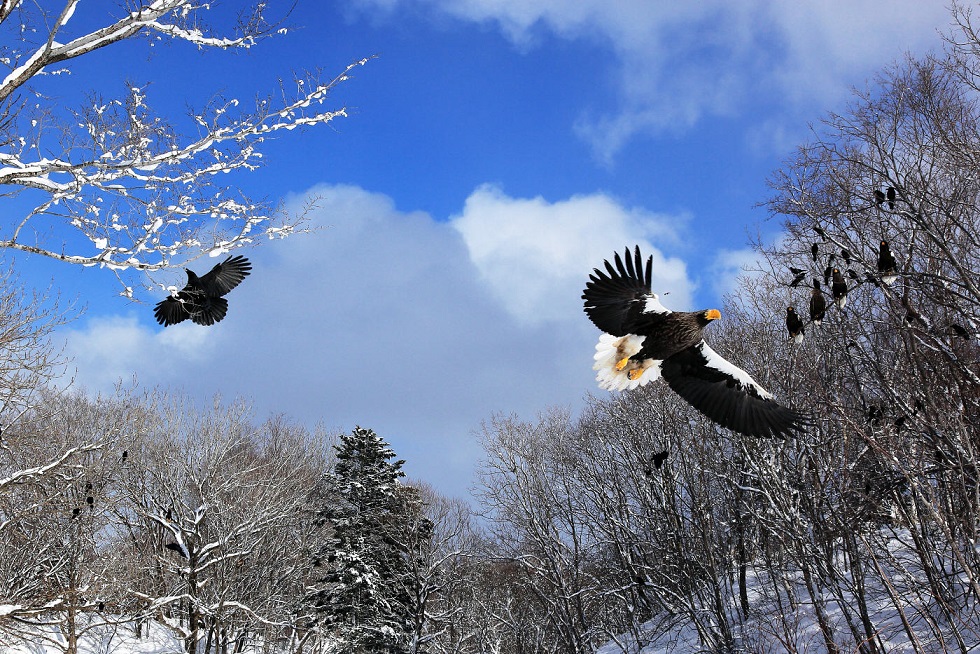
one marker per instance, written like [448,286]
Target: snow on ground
[774,621]
[99,639]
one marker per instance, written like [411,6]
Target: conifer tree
[366,597]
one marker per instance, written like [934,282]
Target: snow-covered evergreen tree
[366,599]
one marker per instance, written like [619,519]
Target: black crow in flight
[201,300]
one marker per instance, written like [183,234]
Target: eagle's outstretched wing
[727,394]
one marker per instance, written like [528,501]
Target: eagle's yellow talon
[635,373]
[622,363]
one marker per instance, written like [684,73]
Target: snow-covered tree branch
[110,182]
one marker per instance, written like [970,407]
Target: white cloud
[729,267]
[396,321]
[103,352]
[678,61]
[535,255]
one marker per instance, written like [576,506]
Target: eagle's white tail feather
[612,349]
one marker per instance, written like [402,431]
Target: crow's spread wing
[614,298]
[209,310]
[225,276]
[727,394]
[170,311]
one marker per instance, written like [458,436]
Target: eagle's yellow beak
[712,314]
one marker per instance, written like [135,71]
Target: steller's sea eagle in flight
[643,340]
[202,299]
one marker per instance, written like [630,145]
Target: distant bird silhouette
[827,272]
[847,257]
[887,266]
[75,512]
[879,197]
[799,276]
[839,289]
[90,501]
[125,455]
[853,275]
[890,194]
[822,234]
[959,330]
[175,547]
[794,325]
[873,414]
[818,304]
[201,299]
[659,458]
[815,251]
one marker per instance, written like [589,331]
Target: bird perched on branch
[202,299]
[887,266]
[643,340]
[818,304]
[794,325]
[839,289]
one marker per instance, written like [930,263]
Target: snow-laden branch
[149,17]
[142,191]
[30,474]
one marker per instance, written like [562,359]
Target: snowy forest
[633,525]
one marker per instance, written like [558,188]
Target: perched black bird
[643,340]
[890,194]
[912,316]
[175,547]
[794,325]
[853,275]
[879,197]
[873,414]
[827,272]
[798,279]
[90,501]
[201,300]
[125,455]
[887,267]
[796,271]
[659,458]
[818,304]
[822,234]
[839,289]
[846,256]
[75,512]
[959,330]
[815,251]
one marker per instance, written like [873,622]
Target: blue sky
[495,152]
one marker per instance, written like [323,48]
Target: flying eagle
[201,300]
[643,340]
